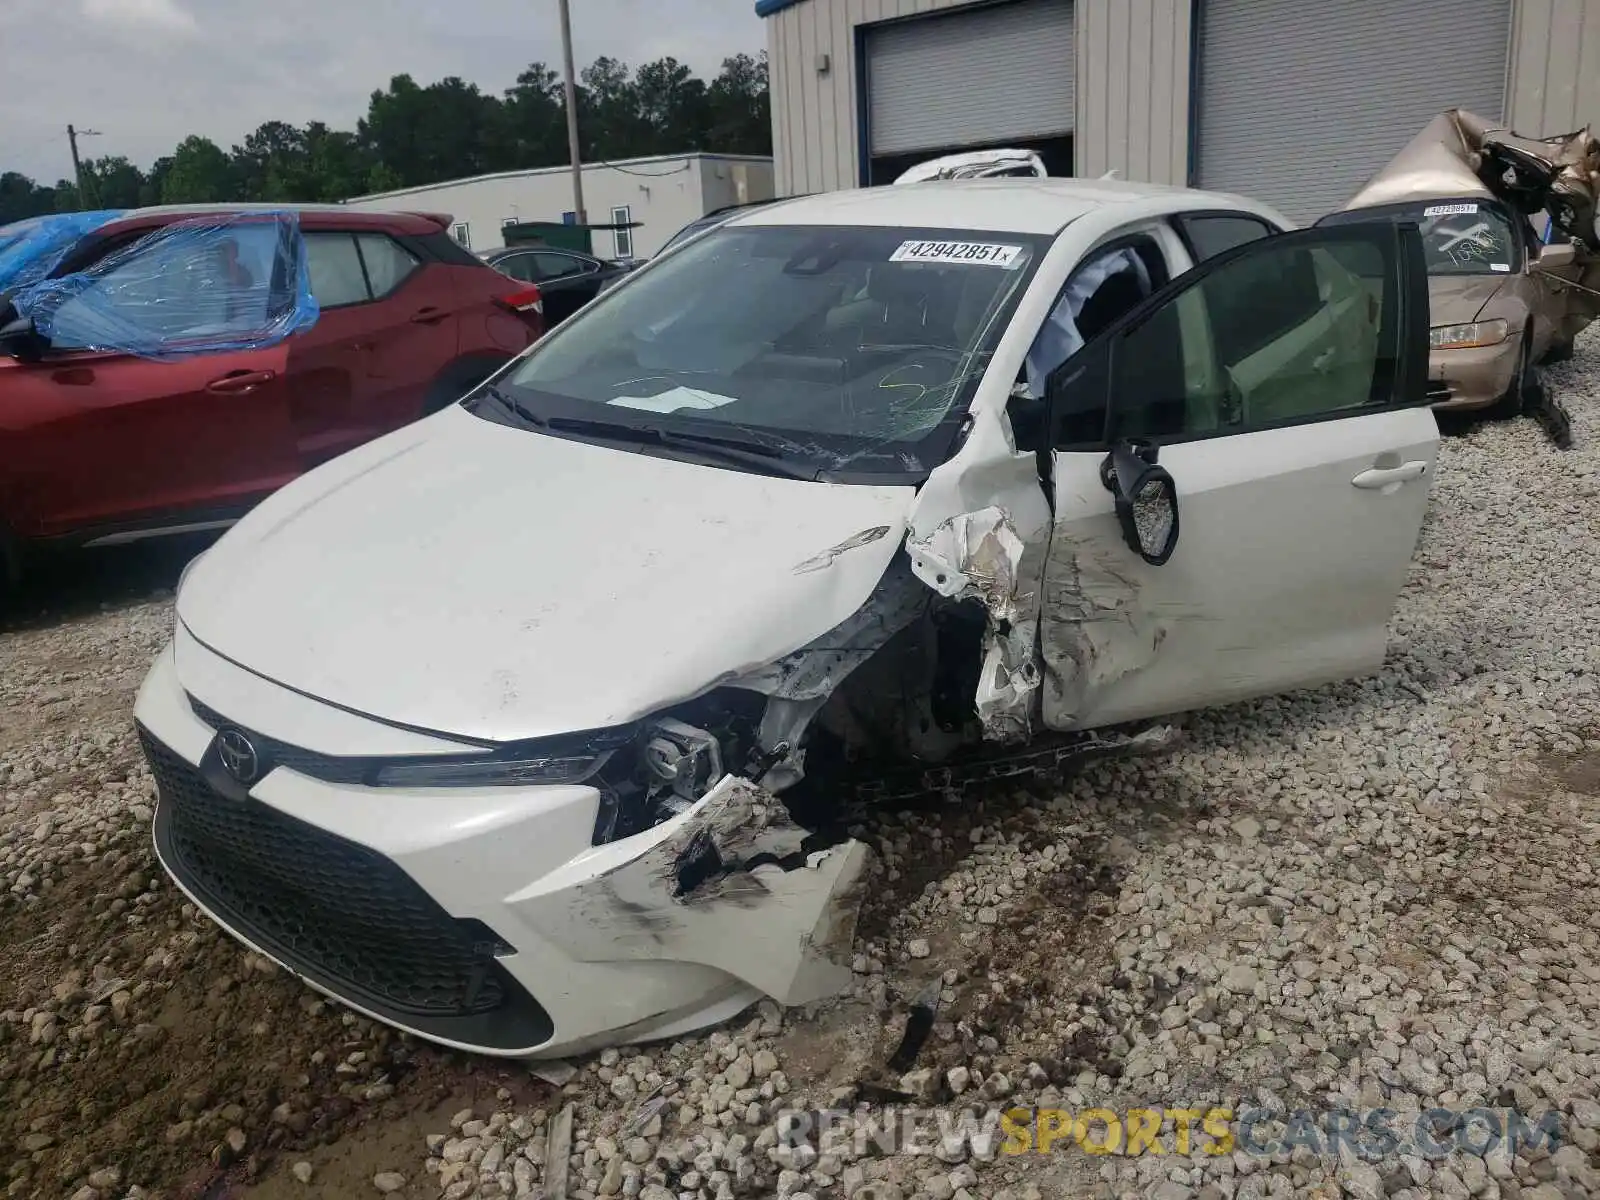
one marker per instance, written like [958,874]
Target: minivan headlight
[1464,337]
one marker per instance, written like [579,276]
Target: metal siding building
[663,194]
[1295,101]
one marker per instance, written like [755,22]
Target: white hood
[472,579]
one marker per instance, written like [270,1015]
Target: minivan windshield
[1459,237]
[830,347]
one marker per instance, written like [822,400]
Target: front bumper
[484,918]
[1472,378]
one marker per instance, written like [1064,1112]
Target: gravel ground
[1374,895]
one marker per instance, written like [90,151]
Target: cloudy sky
[146,73]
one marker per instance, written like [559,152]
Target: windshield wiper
[508,401]
[760,456]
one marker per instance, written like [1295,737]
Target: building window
[462,232]
[622,215]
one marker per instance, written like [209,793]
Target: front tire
[1523,395]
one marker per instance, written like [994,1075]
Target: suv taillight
[523,301]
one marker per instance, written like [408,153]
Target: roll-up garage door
[1301,101]
[969,78]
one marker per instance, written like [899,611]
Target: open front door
[1281,386]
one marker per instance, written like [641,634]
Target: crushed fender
[1093,628]
[978,555]
[732,883]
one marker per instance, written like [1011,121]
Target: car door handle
[428,316]
[1389,478]
[241,382]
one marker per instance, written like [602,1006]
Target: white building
[662,194]
[1295,102]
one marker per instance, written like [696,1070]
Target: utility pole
[77,164]
[573,146]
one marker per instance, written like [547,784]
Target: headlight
[570,759]
[1463,337]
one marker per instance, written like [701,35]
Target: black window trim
[586,265]
[1180,226]
[1104,358]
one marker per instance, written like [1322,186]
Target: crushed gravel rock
[1375,894]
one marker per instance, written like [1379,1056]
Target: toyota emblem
[238,755]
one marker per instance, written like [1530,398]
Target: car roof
[312,215]
[1038,206]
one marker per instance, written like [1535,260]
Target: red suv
[101,446]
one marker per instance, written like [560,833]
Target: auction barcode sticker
[979,254]
[1446,210]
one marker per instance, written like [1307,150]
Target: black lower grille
[342,915]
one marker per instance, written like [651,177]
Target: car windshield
[837,347]
[1459,237]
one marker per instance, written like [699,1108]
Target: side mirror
[18,338]
[1147,500]
[1557,254]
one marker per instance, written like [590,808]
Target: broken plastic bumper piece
[487,918]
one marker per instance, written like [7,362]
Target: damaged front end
[744,795]
[732,882]
[1460,154]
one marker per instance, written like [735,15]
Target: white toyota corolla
[521,727]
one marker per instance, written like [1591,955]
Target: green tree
[21,198]
[414,135]
[200,174]
[533,121]
[113,182]
[337,163]
[740,108]
[274,164]
[674,108]
[154,180]
[609,120]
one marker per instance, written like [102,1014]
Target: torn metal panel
[730,884]
[978,555]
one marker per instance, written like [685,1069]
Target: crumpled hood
[467,578]
[1457,299]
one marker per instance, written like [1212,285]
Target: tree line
[415,135]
